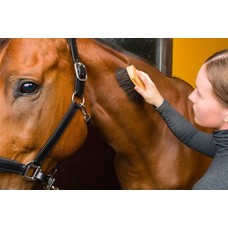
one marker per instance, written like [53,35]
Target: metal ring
[82,99]
[73,96]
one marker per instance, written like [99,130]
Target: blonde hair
[217,73]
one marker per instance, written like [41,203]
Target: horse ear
[127,85]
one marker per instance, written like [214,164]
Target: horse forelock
[4,41]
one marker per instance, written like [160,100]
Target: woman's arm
[180,127]
[185,131]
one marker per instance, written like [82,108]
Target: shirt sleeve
[185,131]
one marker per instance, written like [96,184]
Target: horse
[37,86]
[147,155]
[39,111]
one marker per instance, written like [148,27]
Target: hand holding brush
[149,90]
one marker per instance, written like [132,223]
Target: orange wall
[190,53]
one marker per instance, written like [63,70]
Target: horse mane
[118,48]
[110,44]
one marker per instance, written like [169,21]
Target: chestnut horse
[39,121]
[148,156]
[37,80]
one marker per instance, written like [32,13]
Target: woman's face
[207,109]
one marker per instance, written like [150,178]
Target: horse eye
[28,88]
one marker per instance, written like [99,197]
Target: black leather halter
[32,171]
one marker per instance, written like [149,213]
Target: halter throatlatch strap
[32,171]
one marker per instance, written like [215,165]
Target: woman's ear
[226,119]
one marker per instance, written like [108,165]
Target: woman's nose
[191,96]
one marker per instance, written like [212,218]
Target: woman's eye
[28,88]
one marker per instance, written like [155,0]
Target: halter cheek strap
[80,69]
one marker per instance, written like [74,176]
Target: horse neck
[100,58]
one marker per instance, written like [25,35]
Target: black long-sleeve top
[214,145]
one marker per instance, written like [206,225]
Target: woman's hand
[151,93]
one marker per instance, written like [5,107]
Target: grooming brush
[127,79]
[131,70]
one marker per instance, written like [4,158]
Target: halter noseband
[32,170]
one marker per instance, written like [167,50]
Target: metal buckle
[80,70]
[31,171]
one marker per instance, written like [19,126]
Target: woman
[210,105]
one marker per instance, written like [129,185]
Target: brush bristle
[127,85]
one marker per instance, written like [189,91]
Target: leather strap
[80,69]
[11,166]
[73,49]
[45,150]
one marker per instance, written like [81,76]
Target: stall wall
[190,53]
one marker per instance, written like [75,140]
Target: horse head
[37,92]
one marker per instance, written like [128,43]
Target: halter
[32,170]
